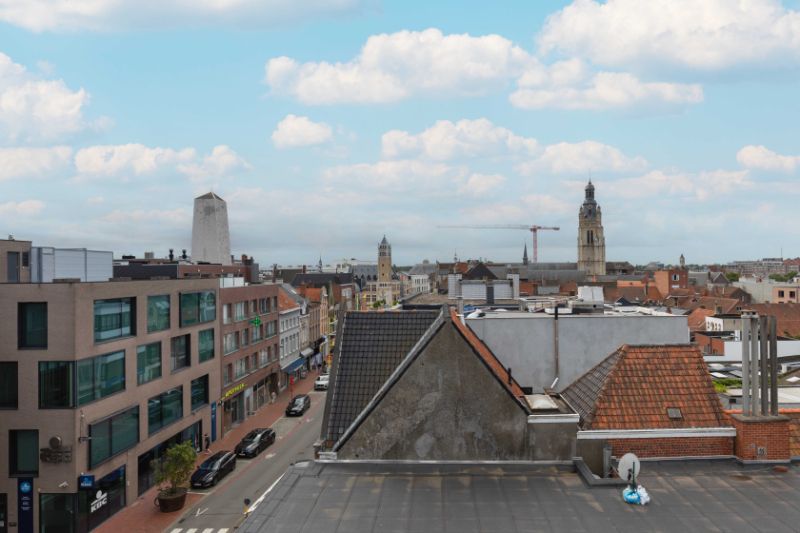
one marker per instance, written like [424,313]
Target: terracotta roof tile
[285,302]
[697,319]
[633,388]
[787,316]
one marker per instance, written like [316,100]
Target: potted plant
[172,476]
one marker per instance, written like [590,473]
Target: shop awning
[294,365]
[307,352]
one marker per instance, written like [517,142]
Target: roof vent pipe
[460,305]
[509,375]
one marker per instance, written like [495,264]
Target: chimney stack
[171,254]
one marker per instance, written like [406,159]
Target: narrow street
[222,509]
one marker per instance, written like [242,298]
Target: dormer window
[674,413]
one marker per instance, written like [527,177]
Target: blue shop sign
[86,481]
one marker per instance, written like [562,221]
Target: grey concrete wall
[526,342]
[446,406]
[552,441]
[211,239]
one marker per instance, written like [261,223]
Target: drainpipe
[555,342]
[746,365]
[754,365]
[773,359]
[763,323]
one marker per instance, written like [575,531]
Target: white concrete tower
[384,261]
[591,242]
[211,238]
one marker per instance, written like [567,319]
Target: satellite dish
[629,467]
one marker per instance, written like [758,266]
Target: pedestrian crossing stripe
[194,530]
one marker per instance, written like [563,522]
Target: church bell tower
[591,243]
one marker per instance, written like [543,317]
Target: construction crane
[534,229]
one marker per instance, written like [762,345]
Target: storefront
[294,370]
[308,355]
[233,406]
[98,501]
[146,475]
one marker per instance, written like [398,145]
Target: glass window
[199,392]
[230,342]
[114,318]
[262,305]
[245,336]
[57,512]
[113,435]
[100,376]
[240,368]
[157,313]
[239,311]
[32,325]
[180,354]
[56,384]
[164,409]
[198,307]
[228,375]
[205,341]
[23,453]
[263,357]
[148,362]
[8,385]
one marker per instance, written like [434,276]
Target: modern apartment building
[96,381]
[250,360]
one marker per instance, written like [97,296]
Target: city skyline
[326,127]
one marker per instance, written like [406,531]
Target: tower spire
[525,255]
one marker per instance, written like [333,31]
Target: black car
[213,469]
[298,405]
[255,442]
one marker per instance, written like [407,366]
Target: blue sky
[328,124]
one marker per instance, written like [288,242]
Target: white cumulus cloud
[762,158]
[392,67]
[447,140]
[222,161]
[399,175]
[700,186]
[138,159]
[582,158]
[706,35]
[21,162]
[32,108]
[23,208]
[105,15]
[294,131]
[481,184]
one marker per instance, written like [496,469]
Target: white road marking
[176,530]
[191,530]
[201,511]
[208,530]
[223,530]
[269,456]
[261,498]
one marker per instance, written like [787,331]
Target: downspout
[555,342]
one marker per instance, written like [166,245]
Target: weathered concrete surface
[446,406]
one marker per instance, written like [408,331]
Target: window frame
[160,397]
[187,354]
[109,420]
[169,312]
[195,407]
[22,327]
[13,383]
[131,323]
[193,308]
[13,454]
[73,393]
[140,370]
[200,356]
[95,379]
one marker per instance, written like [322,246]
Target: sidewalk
[142,516]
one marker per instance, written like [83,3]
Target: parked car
[255,442]
[213,469]
[322,382]
[298,405]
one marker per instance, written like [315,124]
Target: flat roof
[413,497]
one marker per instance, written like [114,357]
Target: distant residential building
[289,331]
[591,241]
[765,290]
[211,240]
[760,268]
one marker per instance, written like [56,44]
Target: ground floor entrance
[146,474]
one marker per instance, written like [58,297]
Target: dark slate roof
[423,268]
[582,394]
[370,347]
[391,497]
[321,278]
[479,271]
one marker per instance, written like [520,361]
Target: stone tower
[591,243]
[211,240]
[384,261]
[525,255]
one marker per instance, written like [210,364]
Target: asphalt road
[223,507]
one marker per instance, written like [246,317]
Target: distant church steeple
[591,242]
[525,255]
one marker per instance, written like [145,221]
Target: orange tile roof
[285,302]
[312,293]
[787,316]
[726,305]
[697,319]
[633,388]
[486,354]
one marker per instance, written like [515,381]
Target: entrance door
[3,513]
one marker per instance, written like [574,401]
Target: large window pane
[148,362]
[8,385]
[206,344]
[57,513]
[208,306]
[164,409]
[199,392]
[32,325]
[114,318]
[180,352]
[100,376]
[23,452]
[157,313]
[198,307]
[113,435]
[56,384]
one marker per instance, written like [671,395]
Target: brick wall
[673,446]
[794,431]
[762,438]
